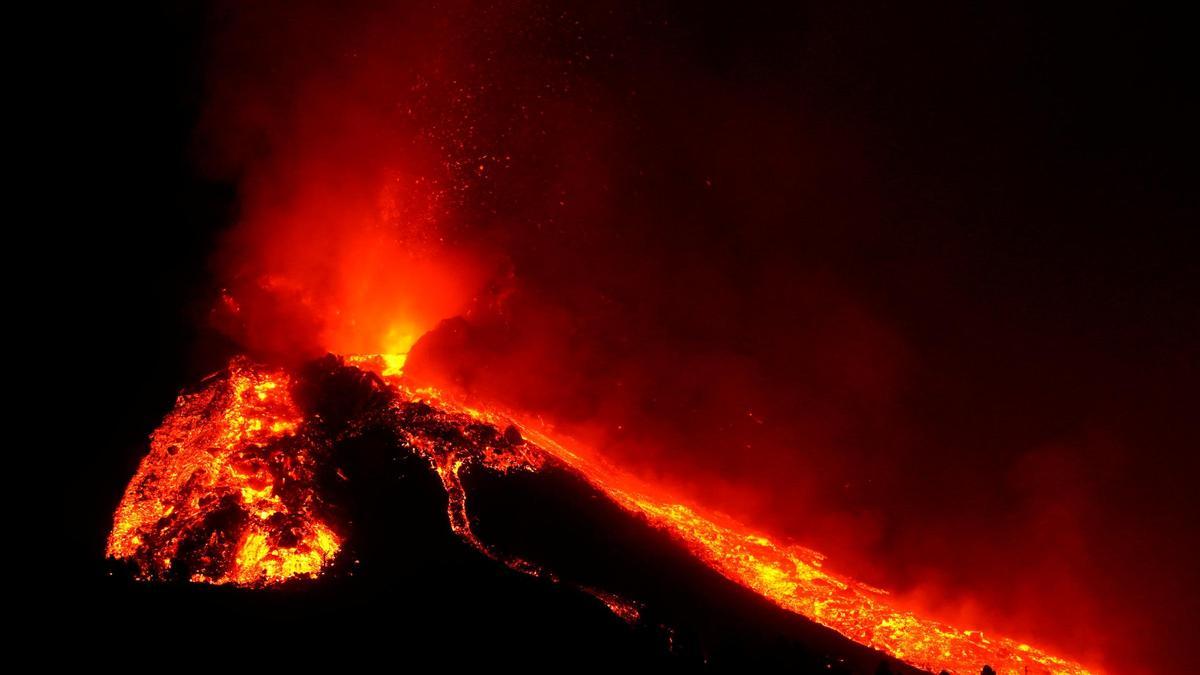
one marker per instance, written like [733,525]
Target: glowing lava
[227,494]
[791,576]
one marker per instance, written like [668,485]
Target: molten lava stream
[791,576]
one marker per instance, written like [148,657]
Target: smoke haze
[904,284]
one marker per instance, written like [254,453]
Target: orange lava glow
[449,461]
[791,576]
[229,481]
[794,578]
[230,452]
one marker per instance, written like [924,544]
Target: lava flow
[229,494]
[793,577]
[226,494]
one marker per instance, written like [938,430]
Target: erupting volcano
[791,337]
[231,493]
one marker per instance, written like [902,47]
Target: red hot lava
[227,495]
[227,488]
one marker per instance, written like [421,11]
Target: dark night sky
[914,285]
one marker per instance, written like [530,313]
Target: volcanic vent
[252,481]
